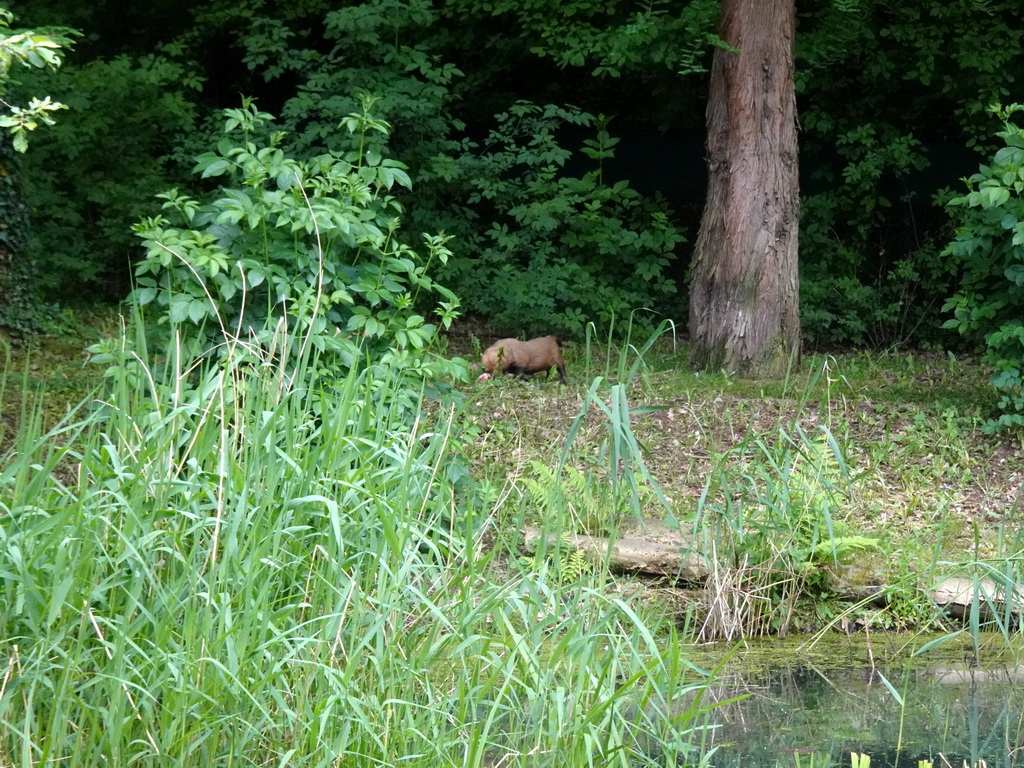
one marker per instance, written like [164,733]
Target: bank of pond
[816,702]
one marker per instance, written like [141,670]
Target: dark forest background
[561,149]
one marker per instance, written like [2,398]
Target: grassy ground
[905,461]
[894,440]
[50,373]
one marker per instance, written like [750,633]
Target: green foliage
[887,92]
[883,91]
[559,250]
[95,174]
[285,242]
[28,48]
[20,307]
[560,559]
[777,526]
[858,284]
[585,501]
[229,578]
[989,307]
[19,302]
[508,200]
[613,37]
[815,479]
[378,48]
[585,243]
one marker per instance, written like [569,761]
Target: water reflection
[803,715]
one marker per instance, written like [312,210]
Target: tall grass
[197,571]
[623,359]
[781,510]
[772,517]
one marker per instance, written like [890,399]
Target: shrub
[96,172]
[866,277]
[538,248]
[560,250]
[19,305]
[312,245]
[989,307]
[29,48]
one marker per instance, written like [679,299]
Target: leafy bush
[30,48]
[614,38]
[597,248]
[284,243]
[889,97]
[20,308]
[560,250]
[377,48]
[89,178]
[19,302]
[865,277]
[537,249]
[989,307]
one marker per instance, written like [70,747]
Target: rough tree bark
[744,291]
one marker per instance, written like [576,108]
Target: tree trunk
[744,290]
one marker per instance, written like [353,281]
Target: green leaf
[198,310]
[992,197]
[1015,274]
[145,295]
[216,168]
[179,308]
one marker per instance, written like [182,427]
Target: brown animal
[520,358]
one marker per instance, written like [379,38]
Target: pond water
[815,708]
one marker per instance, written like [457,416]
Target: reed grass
[204,569]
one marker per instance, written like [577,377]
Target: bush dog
[520,358]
